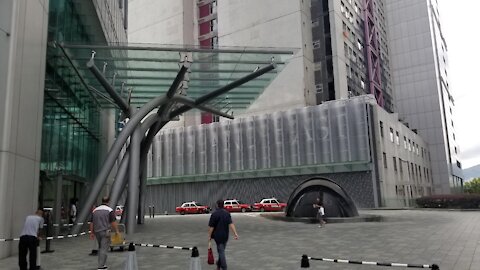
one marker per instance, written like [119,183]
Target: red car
[192,208]
[236,206]
[271,204]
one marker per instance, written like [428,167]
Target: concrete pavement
[450,239]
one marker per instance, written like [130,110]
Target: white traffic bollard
[131,262]
[195,260]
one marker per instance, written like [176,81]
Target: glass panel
[150,69]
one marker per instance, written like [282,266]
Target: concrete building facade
[23,46]
[424,98]
[352,142]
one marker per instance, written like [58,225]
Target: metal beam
[172,49]
[224,89]
[103,81]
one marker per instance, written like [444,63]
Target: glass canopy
[140,72]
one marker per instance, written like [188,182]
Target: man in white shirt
[29,240]
[320,213]
[103,218]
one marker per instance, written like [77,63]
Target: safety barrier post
[39,259]
[304,263]
[131,262]
[48,232]
[392,264]
[195,260]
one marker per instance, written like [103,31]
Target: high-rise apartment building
[423,97]
[350,50]
[53,131]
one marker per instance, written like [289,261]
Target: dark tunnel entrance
[335,200]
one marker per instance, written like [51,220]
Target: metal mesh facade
[330,133]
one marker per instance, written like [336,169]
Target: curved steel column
[112,156]
[133,180]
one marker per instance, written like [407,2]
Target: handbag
[210,258]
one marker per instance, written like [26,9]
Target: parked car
[236,206]
[270,204]
[192,208]
[119,210]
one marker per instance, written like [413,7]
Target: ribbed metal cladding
[333,132]
[166,197]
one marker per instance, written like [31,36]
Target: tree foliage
[472,186]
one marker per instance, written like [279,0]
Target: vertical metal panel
[236,146]
[322,135]
[167,145]
[339,132]
[158,158]
[200,150]
[357,123]
[290,131]
[212,147]
[149,164]
[306,146]
[248,143]
[275,128]
[261,142]
[178,154]
[224,147]
[189,150]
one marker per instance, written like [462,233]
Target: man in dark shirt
[219,224]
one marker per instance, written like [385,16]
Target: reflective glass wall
[70,139]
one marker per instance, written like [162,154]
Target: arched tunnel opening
[335,200]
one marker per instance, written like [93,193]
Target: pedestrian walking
[73,211]
[29,240]
[320,213]
[103,217]
[219,224]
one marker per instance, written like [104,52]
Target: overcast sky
[461,27]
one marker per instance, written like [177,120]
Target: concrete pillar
[23,41]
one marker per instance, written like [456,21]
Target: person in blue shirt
[219,224]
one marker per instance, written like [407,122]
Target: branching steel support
[134,161]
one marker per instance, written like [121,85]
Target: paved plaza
[450,239]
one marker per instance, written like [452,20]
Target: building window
[391,134]
[394,164]
[405,142]
[412,170]
[381,128]
[384,160]
[400,165]
[397,138]
[409,145]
